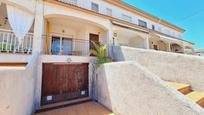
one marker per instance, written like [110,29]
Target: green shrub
[101,53]
[4,47]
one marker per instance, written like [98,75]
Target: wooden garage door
[63,82]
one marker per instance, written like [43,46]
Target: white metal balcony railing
[68,46]
[9,42]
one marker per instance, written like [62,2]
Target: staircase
[197,97]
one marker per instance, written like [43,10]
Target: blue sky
[187,14]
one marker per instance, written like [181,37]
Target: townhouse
[59,33]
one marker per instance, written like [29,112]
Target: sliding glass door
[55,47]
[66,46]
[61,46]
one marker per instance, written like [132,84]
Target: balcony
[9,43]
[68,46]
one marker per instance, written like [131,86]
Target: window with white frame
[108,11]
[126,18]
[142,23]
[94,7]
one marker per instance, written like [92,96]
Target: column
[109,40]
[38,28]
[37,48]
[146,42]
[169,47]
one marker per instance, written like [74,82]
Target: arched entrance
[163,46]
[176,48]
[157,43]
[66,35]
[130,38]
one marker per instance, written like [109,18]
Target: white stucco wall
[17,92]
[127,88]
[168,66]
[6,58]
[17,87]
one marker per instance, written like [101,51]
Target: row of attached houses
[60,31]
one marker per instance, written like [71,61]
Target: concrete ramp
[127,88]
[168,66]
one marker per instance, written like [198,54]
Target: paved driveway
[88,108]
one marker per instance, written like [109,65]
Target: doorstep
[63,104]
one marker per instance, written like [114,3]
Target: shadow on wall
[102,90]
[118,54]
[173,67]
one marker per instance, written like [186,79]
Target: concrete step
[183,88]
[86,108]
[63,104]
[197,97]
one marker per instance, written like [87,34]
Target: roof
[137,11]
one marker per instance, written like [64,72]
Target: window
[55,47]
[74,2]
[153,27]
[94,7]
[127,18]
[142,23]
[108,11]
